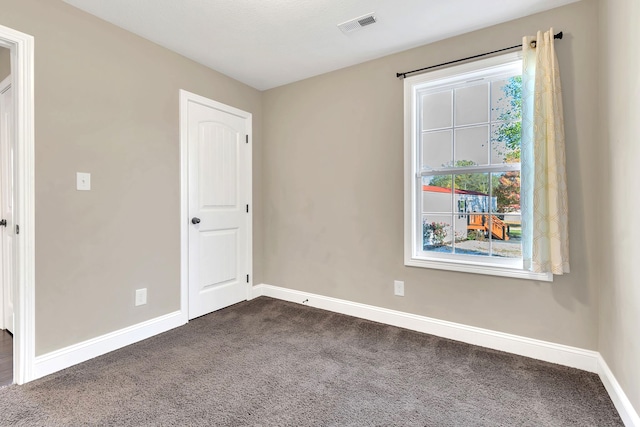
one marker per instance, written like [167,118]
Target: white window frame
[414,257]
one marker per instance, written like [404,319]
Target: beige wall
[620,289]
[330,175]
[107,103]
[333,191]
[5,63]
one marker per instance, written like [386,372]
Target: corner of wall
[619,298]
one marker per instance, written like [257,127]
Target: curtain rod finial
[559,36]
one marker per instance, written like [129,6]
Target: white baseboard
[620,400]
[586,360]
[573,357]
[81,352]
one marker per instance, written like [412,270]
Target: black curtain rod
[406,73]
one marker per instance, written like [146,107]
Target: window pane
[437,195]
[472,146]
[472,104]
[506,99]
[505,142]
[436,149]
[507,236]
[506,192]
[473,190]
[471,234]
[436,110]
[436,233]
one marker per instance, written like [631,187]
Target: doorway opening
[6,211]
[17,219]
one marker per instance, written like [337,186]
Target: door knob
[195,220]
[3,223]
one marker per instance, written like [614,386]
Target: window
[462,168]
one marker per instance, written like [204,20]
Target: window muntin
[465,189]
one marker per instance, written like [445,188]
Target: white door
[219,193]
[6,202]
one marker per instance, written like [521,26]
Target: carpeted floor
[271,363]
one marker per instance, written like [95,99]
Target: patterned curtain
[544,182]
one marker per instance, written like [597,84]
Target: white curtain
[544,183]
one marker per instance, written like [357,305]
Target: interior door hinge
[247,278]
[17,229]
[247,138]
[247,208]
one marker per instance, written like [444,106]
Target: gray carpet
[272,363]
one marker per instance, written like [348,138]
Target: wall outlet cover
[141,296]
[398,288]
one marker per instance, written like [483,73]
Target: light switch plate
[83,181]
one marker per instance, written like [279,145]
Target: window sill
[476,268]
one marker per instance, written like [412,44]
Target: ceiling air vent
[357,23]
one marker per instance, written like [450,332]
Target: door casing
[185,98]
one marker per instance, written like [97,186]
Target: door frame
[5,86]
[185,98]
[22,72]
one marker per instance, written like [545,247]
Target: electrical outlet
[398,288]
[141,296]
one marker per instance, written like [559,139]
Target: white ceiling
[268,43]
